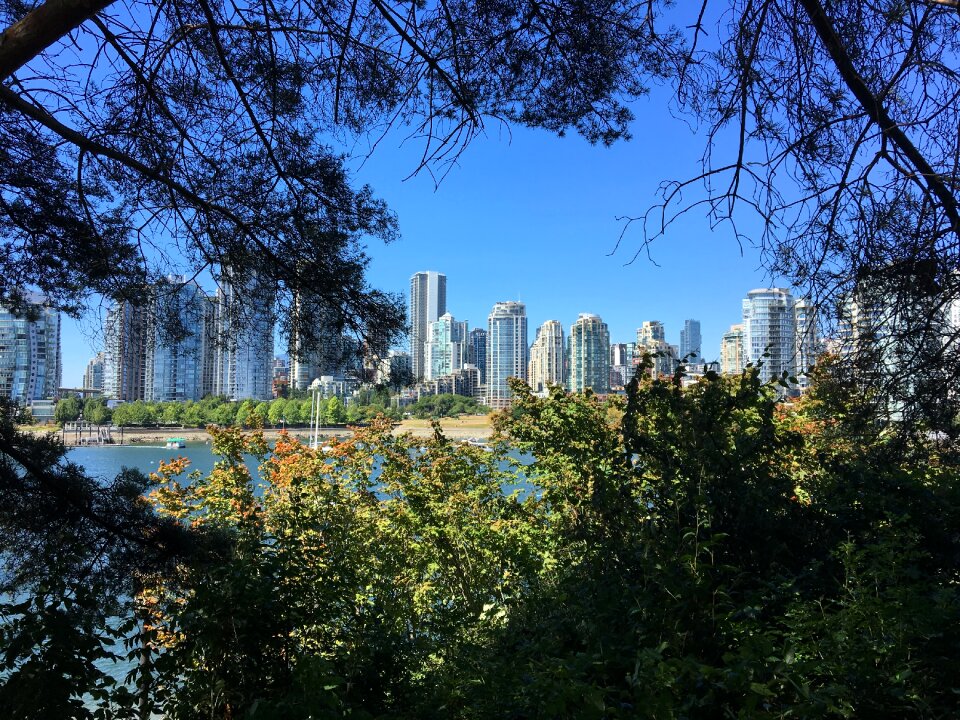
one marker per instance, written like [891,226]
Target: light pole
[316,395]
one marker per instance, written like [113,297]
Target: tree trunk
[25,39]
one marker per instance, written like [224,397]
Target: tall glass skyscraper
[588,365]
[690,342]
[446,347]
[245,341]
[507,353]
[428,301]
[477,352]
[176,342]
[30,364]
[93,376]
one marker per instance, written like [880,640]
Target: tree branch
[26,39]
[878,113]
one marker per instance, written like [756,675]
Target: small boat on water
[173,443]
[479,443]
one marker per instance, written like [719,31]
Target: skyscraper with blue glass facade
[507,351]
[30,365]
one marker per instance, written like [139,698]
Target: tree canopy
[140,138]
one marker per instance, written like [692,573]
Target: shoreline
[454,428]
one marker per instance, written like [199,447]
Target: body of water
[105,461]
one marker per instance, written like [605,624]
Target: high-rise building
[651,340]
[93,376]
[898,338]
[30,365]
[125,351]
[622,356]
[588,364]
[731,351]
[446,347]
[506,350]
[477,352]
[428,301]
[328,353]
[211,376]
[245,341]
[770,332]
[808,342]
[690,350]
[280,384]
[394,370]
[176,342]
[546,365]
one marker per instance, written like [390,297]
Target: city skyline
[532,217]
[664,335]
[778,333]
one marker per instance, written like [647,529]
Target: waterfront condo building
[651,340]
[588,364]
[244,341]
[507,352]
[622,365]
[477,352]
[93,376]
[125,351]
[731,351]
[176,341]
[445,349]
[428,301]
[770,332]
[546,365]
[30,364]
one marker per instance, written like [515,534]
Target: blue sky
[530,216]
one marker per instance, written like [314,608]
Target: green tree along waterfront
[281,412]
[706,552]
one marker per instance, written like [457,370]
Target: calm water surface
[105,461]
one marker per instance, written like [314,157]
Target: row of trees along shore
[280,412]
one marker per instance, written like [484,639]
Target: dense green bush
[706,552]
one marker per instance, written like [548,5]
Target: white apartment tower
[428,301]
[651,339]
[546,365]
[808,342]
[507,353]
[779,333]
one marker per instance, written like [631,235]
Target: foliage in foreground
[698,553]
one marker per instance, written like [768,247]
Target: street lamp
[316,395]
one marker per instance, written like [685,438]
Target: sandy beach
[477,426]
